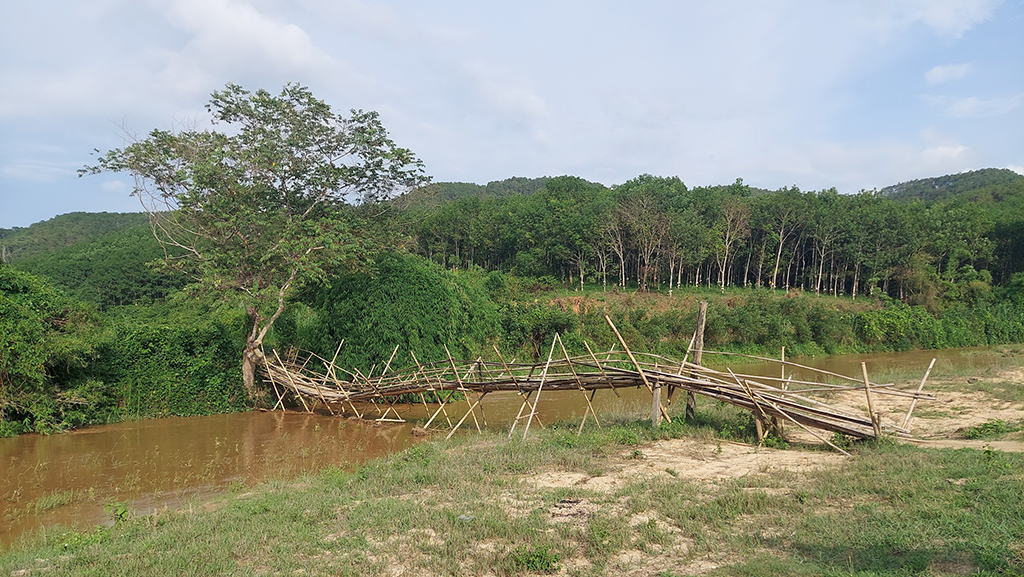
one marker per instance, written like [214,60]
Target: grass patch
[991,429]
[533,559]
[53,500]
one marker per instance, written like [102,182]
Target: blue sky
[850,94]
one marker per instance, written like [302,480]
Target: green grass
[991,429]
[53,500]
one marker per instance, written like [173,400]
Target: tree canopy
[257,208]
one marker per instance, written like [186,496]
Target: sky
[848,94]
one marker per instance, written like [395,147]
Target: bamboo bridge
[459,387]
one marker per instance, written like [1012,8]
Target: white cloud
[228,33]
[975,107]
[953,18]
[948,18]
[1016,168]
[944,153]
[947,72]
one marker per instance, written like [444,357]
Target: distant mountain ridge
[63,231]
[985,185]
[438,193]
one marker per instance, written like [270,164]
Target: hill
[63,231]
[986,185]
[110,270]
[438,193]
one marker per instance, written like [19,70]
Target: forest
[925,242]
[94,327]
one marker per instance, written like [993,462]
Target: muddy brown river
[76,479]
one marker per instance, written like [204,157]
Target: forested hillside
[986,185]
[63,231]
[438,193]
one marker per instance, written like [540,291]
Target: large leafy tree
[257,208]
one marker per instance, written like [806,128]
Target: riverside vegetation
[93,331]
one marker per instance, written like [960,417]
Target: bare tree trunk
[746,270]
[760,262]
[856,273]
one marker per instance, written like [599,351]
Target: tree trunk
[250,356]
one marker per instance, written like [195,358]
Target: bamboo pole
[913,403]
[481,393]
[776,423]
[802,426]
[871,406]
[292,381]
[601,368]
[441,402]
[583,390]
[391,407]
[280,394]
[543,375]
[691,397]
[639,369]
[686,356]
[463,388]
[459,424]
[508,370]
[759,416]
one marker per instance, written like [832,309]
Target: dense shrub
[157,370]
[62,366]
[43,335]
[405,301]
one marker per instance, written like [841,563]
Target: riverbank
[683,499]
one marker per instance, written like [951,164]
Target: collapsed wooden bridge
[452,383]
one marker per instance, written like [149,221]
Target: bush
[405,301]
[43,335]
[156,370]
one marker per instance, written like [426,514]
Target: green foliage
[61,367]
[990,429]
[406,302]
[533,559]
[899,326]
[43,336]
[438,193]
[110,270]
[63,231]
[264,205]
[533,326]
[944,187]
[162,369]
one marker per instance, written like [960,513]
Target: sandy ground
[708,462]
[938,423]
[943,421]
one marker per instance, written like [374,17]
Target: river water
[73,479]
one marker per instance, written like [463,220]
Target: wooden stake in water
[576,377]
[543,376]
